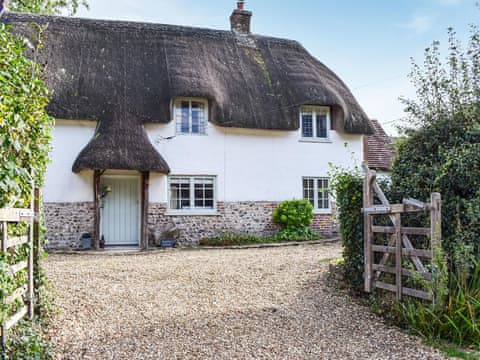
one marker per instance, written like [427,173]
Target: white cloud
[419,23]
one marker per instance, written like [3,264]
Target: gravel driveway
[215,304]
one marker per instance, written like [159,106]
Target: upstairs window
[315,123]
[315,190]
[191,116]
[191,193]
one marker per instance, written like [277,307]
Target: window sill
[192,213]
[322,211]
[315,140]
[190,134]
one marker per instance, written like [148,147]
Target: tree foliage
[48,7]
[441,150]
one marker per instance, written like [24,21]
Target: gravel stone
[270,303]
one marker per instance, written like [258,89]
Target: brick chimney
[240,19]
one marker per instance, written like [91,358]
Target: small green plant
[455,314]
[293,214]
[230,238]
[301,234]
[27,341]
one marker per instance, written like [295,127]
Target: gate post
[368,193]
[435,222]
[398,254]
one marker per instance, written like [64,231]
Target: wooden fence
[409,261]
[25,293]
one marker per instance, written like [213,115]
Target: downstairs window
[191,193]
[315,190]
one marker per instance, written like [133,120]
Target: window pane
[179,193]
[321,125]
[323,201]
[307,125]
[208,204]
[174,197]
[204,193]
[308,191]
[198,117]
[198,105]
[184,117]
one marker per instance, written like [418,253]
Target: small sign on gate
[376,209]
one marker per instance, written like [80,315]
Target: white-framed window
[315,190]
[191,115]
[191,193]
[315,123]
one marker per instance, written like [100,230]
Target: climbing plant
[24,147]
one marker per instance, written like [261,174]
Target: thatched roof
[120,148]
[378,149]
[127,73]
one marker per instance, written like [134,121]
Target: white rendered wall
[250,165]
[61,184]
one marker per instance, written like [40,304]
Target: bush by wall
[293,214]
[348,188]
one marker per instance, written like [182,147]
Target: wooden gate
[23,295]
[409,261]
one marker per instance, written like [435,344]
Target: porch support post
[144,234]
[96,206]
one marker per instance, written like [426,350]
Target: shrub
[293,214]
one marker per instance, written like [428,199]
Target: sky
[368,43]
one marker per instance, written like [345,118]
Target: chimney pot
[3,6]
[240,19]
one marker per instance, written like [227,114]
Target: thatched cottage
[202,128]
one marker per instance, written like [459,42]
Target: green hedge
[348,188]
[24,147]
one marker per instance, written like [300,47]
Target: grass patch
[329,260]
[232,239]
[454,352]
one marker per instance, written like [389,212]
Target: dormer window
[315,123]
[191,115]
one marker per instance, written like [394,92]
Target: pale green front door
[120,211]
